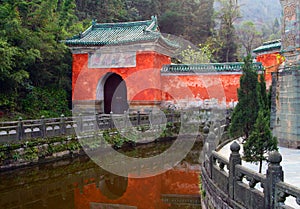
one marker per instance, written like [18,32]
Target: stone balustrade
[12,131]
[284,190]
[228,184]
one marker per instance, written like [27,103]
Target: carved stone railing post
[138,118]
[234,159]
[211,140]
[62,124]
[96,124]
[43,127]
[111,121]
[80,123]
[210,147]
[274,175]
[126,119]
[20,130]
[205,130]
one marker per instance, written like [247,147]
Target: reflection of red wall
[146,75]
[144,193]
[181,182]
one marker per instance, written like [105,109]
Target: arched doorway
[115,94]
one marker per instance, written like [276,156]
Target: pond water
[81,184]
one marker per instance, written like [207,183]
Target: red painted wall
[271,62]
[146,83]
[142,81]
[221,86]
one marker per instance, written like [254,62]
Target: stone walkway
[290,165]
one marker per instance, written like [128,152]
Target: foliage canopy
[245,113]
[251,116]
[32,55]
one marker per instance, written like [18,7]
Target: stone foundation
[87,106]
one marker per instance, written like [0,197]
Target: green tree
[141,8]
[190,19]
[263,97]
[227,14]
[271,31]
[260,141]
[245,113]
[32,54]
[203,54]
[14,58]
[198,20]
[177,26]
[102,10]
[47,101]
[276,26]
[248,36]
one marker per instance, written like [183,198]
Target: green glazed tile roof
[101,34]
[268,46]
[209,67]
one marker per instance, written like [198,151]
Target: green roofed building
[127,66]
[134,34]
[268,47]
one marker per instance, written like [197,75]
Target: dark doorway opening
[115,95]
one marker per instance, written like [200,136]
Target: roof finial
[94,21]
[154,18]
[154,25]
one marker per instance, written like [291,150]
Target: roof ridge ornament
[94,22]
[154,18]
[153,26]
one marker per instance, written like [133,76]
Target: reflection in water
[80,184]
[112,186]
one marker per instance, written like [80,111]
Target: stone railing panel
[245,190]
[15,131]
[219,171]
[243,187]
[8,131]
[284,190]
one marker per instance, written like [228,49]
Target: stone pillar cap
[274,157]
[235,147]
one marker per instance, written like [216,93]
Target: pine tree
[199,25]
[102,10]
[245,113]
[261,140]
[262,94]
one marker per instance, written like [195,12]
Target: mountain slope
[260,11]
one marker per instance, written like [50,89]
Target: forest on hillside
[35,64]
